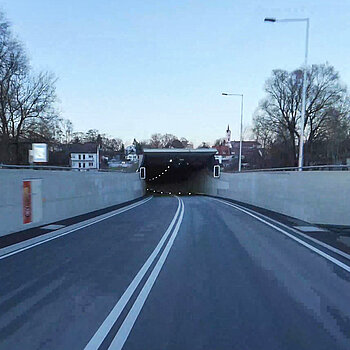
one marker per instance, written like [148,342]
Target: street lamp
[240,138]
[303,98]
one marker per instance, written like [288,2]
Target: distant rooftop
[88,147]
[179,150]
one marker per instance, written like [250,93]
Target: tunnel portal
[174,171]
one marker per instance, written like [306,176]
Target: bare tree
[111,144]
[278,116]
[220,142]
[31,104]
[26,99]
[67,131]
[158,140]
[167,140]
[204,145]
[155,141]
[13,62]
[91,135]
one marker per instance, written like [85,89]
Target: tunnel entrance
[173,171]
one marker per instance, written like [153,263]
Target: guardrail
[62,168]
[304,168]
[35,167]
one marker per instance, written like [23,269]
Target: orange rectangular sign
[27,202]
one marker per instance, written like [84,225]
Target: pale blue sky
[131,68]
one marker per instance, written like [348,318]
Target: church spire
[228,136]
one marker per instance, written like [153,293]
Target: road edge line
[35,241]
[312,239]
[300,241]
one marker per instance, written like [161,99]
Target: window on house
[91,156]
[79,165]
[83,165]
[79,156]
[83,156]
[91,164]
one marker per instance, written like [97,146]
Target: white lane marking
[299,233]
[307,245]
[96,341]
[31,243]
[126,327]
[310,229]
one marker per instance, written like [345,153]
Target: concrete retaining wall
[57,195]
[319,197]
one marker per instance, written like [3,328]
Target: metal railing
[61,168]
[304,168]
[34,167]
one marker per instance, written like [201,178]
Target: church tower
[228,136]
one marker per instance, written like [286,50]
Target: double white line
[129,321]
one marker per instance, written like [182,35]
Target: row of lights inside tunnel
[169,193]
[163,172]
[158,176]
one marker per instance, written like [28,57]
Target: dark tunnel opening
[175,171]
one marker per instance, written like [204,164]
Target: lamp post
[240,137]
[303,98]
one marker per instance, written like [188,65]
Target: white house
[133,157]
[130,149]
[85,156]
[131,153]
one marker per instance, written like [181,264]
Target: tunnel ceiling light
[168,166]
[170,160]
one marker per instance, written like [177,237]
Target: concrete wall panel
[320,197]
[64,194]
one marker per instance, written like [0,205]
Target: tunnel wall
[58,195]
[319,197]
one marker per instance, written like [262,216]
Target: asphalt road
[190,273]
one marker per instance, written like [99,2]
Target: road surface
[175,273]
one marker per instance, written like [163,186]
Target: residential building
[252,153]
[131,153]
[133,157]
[85,156]
[248,147]
[223,155]
[130,149]
[228,152]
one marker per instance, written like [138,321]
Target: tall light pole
[303,98]
[241,132]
